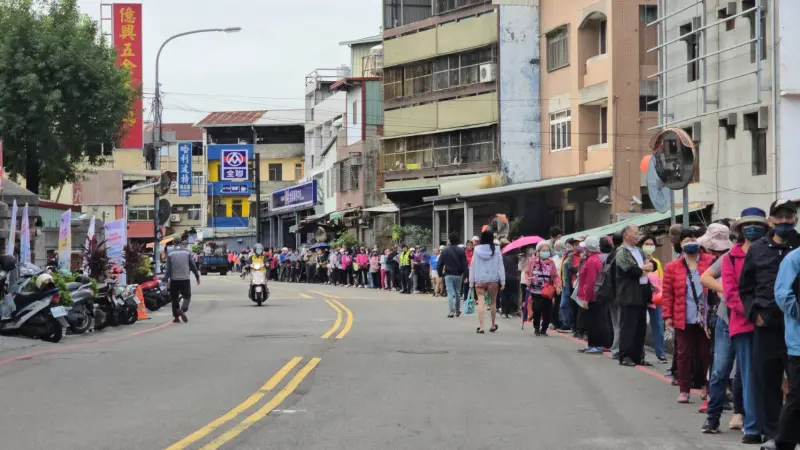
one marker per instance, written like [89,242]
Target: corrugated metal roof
[229,118]
[640,220]
[367,40]
[183,131]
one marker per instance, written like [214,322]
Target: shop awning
[530,185]
[383,209]
[640,220]
[475,179]
[339,215]
[164,242]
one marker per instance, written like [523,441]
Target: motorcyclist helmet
[45,281]
[258,249]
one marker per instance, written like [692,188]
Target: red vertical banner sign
[128,42]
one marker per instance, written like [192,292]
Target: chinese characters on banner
[65,241]
[184,169]
[128,42]
[116,233]
[234,165]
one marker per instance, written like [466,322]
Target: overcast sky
[261,67]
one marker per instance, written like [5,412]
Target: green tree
[62,99]
[418,236]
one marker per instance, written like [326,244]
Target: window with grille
[141,212]
[443,6]
[236,208]
[648,13]
[392,83]
[298,171]
[417,79]
[194,212]
[198,179]
[461,69]
[560,129]
[558,48]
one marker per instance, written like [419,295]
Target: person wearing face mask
[685,306]
[752,226]
[648,245]
[757,291]
[544,283]
[633,296]
[524,259]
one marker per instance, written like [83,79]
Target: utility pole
[258,195]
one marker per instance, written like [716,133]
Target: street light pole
[157,132]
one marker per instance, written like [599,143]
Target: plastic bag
[469,303]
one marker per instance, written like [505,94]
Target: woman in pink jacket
[362,259]
[752,227]
[591,267]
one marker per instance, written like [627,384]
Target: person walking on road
[180,266]
[433,263]
[544,283]
[757,291]
[487,275]
[451,266]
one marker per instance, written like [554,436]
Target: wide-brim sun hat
[751,216]
[717,238]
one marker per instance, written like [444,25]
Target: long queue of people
[730,296]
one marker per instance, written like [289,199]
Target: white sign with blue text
[184,169]
[233,165]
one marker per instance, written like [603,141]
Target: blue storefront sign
[184,169]
[233,164]
[299,195]
[234,189]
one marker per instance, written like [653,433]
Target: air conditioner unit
[175,218]
[488,72]
[173,185]
[355,158]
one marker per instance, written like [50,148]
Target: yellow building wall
[415,119]
[468,111]
[229,206]
[470,33]
[412,47]
[213,170]
[129,159]
[287,167]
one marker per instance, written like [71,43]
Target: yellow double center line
[259,414]
[340,309]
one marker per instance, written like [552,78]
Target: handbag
[700,312]
[356,266]
[469,303]
[549,291]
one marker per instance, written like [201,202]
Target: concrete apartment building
[460,92]
[717,84]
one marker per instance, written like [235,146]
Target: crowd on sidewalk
[729,296]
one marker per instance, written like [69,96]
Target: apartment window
[443,6]
[417,79]
[560,128]
[648,13]
[558,48]
[758,143]
[644,105]
[141,212]
[198,179]
[194,212]
[276,172]
[730,129]
[729,24]
[601,36]
[692,52]
[392,83]
[298,171]
[762,41]
[464,147]
[461,69]
[355,112]
[236,208]
[219,208]
[604,125]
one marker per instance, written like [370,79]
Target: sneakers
[594,351]
[458,313]
[711,426]
[752,439]
[663,359]
[704,407]
[563,330]
[737,422]
[683,397]
[537,333]
[183,317]
[450,316]
[176,320]
[544,333]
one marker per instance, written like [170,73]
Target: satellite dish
[658,192]
[321,235]
[164,208]
[162,188]
[675,157]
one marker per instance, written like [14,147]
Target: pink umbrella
[522,242]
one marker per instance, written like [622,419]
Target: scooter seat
[22,300]
[74,286]
[80,295]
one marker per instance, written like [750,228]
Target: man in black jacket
[511,292]
[452,265]
[757,291]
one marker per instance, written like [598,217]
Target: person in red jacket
[685,308]
[593,317]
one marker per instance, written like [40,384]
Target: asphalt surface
[392,372]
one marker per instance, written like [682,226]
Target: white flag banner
[12,232]
[25,237]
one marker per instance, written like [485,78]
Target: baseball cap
[782,204]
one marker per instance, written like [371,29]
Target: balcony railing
[446,157]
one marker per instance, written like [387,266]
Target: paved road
[331,368]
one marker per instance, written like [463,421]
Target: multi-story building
[460,92]
[717,82]
[276,136]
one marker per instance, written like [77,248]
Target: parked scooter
[81,314]
[35,314]
[259,293]
[155,294]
